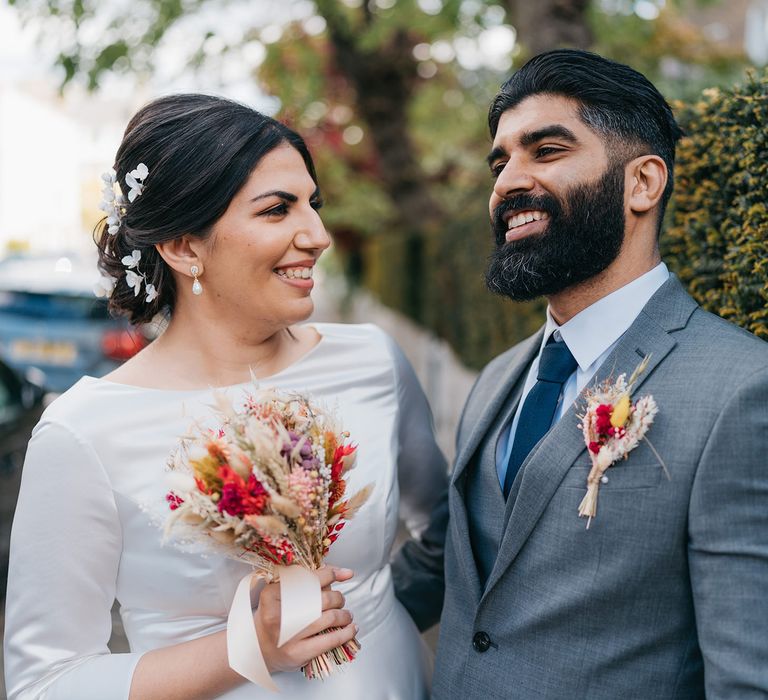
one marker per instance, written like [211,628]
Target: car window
[6,400]
[58,306]
[10,399]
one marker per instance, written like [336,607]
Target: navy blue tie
[556,364]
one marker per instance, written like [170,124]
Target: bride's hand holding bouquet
[309,643]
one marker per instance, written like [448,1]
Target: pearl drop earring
[197,288]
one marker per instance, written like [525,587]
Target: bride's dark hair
[199,150]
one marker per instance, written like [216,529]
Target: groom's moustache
[545,202]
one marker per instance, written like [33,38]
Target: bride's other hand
[308,643]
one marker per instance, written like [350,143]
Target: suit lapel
[458,513]
[517,365]
[549,461]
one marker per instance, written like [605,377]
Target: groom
[665,594]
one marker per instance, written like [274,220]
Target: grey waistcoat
[485,501]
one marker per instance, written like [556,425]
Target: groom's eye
[544,151]
[496,169]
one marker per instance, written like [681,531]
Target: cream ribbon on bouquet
[300,606]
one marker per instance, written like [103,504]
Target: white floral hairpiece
[135,180]
[105,286]
[114,203]
[134,276]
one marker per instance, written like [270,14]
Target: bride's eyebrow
[287,196]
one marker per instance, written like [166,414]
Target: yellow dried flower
[207,470]
[620,412]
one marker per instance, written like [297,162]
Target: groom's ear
[180,254]
[646,180]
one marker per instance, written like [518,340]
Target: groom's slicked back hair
[615,101]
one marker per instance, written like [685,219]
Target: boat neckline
[254,381]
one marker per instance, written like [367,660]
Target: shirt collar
[595,329]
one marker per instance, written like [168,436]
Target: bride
[219,229]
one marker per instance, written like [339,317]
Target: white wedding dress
[83,533]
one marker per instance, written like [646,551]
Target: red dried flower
[603,419]
[338,459]
[174,501]
[278,553]
[237,498]
[258,497]
[337,491]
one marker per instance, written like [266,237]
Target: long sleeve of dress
[422,473]
[65,551]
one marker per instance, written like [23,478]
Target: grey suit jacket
[666,594]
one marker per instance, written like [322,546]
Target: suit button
[481,642]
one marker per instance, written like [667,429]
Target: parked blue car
[52,324]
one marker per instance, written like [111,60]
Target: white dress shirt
[590,335]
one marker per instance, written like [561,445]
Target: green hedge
[717,233]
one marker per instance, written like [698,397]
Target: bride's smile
[261,253]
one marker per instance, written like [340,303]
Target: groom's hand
[308,643]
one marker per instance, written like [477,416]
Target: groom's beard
[583,237]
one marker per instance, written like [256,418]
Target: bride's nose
[311,233]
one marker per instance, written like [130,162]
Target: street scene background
[392,97]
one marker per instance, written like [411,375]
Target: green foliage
[373,26]
[673,52]
[717,239]
[105,59]
[68,21]
[296,70]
